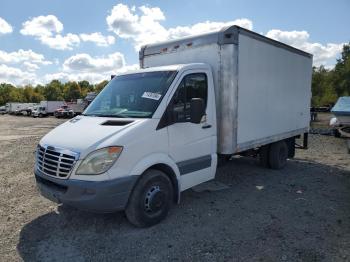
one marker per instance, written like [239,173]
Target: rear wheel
[264,156]
[278,155]
[150,200]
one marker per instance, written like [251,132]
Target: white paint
[273,90]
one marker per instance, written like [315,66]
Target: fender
[154,159]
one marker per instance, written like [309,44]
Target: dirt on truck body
[300,213]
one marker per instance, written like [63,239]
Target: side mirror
[197,110]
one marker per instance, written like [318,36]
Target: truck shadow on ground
[301,213]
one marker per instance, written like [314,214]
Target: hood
[83,132]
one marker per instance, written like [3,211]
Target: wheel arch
[162,163]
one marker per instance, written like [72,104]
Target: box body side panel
[274,92]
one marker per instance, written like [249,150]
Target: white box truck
[46,108]
[155,132]
[17,108]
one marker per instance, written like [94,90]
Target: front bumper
[94,196]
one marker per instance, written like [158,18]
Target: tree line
[327,86]
[53,91]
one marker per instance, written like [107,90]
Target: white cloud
[155,13]
[60,42]
[92,77]
[48,30]
[122,22]
[208,26]
[127,68]
[5,27]
[42,26]
[16,76]
[323,54]
[30,66]
[65,77]
[22,56]
[143,25]
[98,39]
[87,63]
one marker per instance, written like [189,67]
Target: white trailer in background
[17,107]
[78,107]
[155,132]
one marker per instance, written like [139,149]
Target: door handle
[206,126]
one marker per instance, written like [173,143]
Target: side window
[191,86]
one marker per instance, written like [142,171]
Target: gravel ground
[301,213]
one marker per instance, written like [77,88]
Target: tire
[291,147]
[40,115]
[223,160]
[278,155]
[336,133]
[150,200]
[264,156]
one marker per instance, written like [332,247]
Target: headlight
[99,161]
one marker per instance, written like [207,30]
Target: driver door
[193,146]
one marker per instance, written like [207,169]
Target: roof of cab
[168,68]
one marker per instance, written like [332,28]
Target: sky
[76,40]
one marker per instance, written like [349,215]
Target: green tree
[85,87]
[5,93]
[341,80]
[100,86]
[54,91]
[323,92]
[72,91]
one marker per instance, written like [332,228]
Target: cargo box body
[51,106]
[262,87]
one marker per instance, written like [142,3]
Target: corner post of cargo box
[228,86]
[142,55]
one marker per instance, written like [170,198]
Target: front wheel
[150,200]
[336,133]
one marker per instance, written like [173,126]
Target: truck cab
[159,121]
[39,111]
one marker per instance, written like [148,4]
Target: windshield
[135,95]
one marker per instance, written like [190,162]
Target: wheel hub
[154,199]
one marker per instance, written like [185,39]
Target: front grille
[55,162]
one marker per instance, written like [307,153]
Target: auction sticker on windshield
[151,95]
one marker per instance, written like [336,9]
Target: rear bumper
[100,196]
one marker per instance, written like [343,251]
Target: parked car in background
[64,112]
[2,110]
